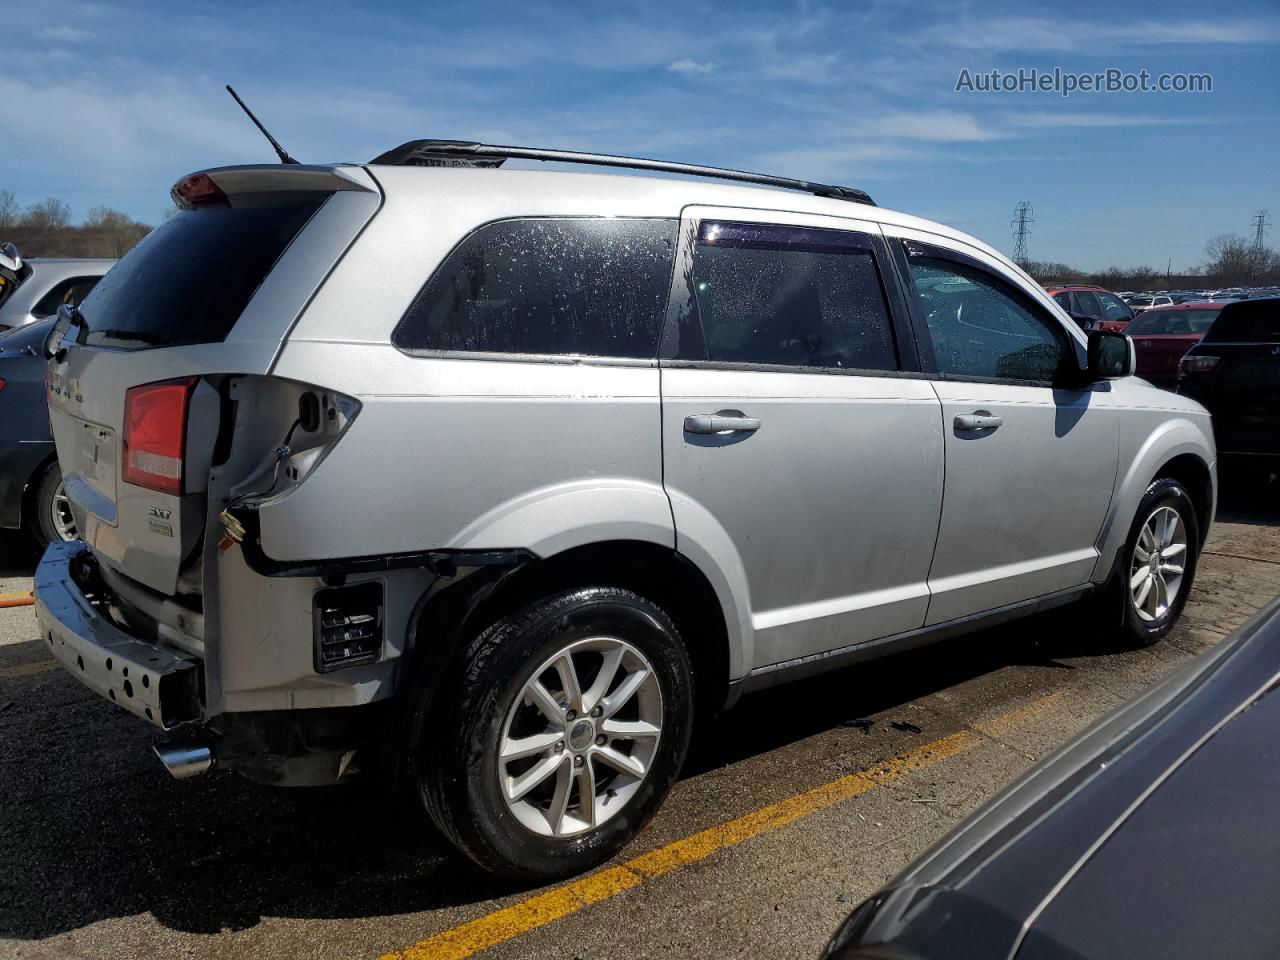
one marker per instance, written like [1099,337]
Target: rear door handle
[712,423]
[977,421]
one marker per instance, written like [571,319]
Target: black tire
[455,761]
[40,517]
[1136,630]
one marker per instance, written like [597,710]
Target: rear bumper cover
[148,679]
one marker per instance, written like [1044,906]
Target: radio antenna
[281,152]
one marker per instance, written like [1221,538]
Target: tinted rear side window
[1249,321]
[790,296]
[556,286]
[190,278]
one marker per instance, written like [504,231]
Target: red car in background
[1162,335]
[1104,309]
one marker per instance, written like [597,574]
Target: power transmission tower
[1023,218]
[1261,227]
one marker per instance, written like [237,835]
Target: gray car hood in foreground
[1155,833]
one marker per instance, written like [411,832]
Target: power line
[1023,217]
[1261,227]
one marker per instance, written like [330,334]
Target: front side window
[790,296]
[981,328]
[556,286]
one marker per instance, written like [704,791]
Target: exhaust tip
[184,760]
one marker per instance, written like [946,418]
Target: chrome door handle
[977,421]
[712,423]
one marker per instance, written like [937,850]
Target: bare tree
[1234,260]
[48,214]
[111,233]
[45,230]
[100,218]
[8,210]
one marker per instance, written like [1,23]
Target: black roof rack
[464,153]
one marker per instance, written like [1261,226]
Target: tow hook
[184,760]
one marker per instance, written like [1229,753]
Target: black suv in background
[1235,372]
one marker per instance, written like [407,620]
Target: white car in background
[1144,301]
[50,284]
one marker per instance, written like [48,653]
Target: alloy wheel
[64,522]
[580,738]
[1159,560]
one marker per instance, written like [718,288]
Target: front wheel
[1159,561]
[564,727]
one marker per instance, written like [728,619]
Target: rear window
[1247,321]
[1157,322]
[555,286]
[189,279]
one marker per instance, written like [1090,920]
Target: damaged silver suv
[495,479]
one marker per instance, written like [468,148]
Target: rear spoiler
[296,177]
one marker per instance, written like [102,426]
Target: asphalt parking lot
[787,817]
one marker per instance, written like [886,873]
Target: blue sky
[110,102]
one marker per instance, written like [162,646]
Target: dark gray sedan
[31,493]
[1155,834]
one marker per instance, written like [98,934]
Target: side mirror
[1111,355]
[9,257]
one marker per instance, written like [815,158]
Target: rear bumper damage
[162,684]
[150,680]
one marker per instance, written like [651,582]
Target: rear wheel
[51,520]
[564,727]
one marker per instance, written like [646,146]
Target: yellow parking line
[505,924]
[27,669]
[17,599]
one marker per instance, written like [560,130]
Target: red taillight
[1,384]
[155,434]
[1196,363]
[198,190]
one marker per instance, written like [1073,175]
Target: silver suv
[496,479]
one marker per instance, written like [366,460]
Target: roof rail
[464,153]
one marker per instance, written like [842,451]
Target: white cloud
[992,34]
[687,66]
[1039,119]
[63,33]
[941,125]
[802,67]
[848,162]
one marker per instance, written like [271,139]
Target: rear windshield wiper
[137,336]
